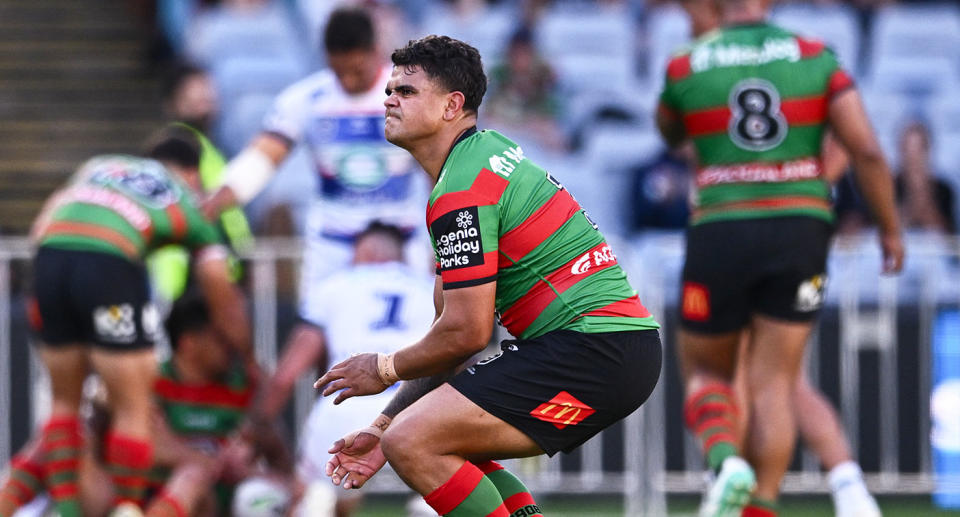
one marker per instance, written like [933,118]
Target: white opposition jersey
[373,308]
[361,176]
[365,308]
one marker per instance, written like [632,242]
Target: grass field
[793,506]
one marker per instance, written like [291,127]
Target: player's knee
[400,446]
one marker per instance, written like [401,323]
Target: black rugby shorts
[563,387]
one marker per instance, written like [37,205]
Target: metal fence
[871,354]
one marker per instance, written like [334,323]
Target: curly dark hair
[452,63]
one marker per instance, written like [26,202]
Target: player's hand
[356,458]
[891,243]
[356,376]
[216,202]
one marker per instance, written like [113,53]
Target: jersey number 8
[756,124]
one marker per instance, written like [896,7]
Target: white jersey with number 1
[365,308]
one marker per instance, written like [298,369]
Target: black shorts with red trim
[563,387]
[733,269]
[92,298]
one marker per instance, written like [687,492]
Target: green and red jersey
[203,415]
[496,216]
[754,100]
[125,206]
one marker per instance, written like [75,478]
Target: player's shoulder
[485,150]
[808,46]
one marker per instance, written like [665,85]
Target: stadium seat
[487,29]
[930,30]
[918,75]
[836,25]
[667,31]
[603,179]
[591,49]
[586,31]
[223,33]
[915,47]
[594,73]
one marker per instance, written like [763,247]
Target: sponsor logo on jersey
[806,168]
[504,163]
[562,410]
[130,211]
[705,57]
[459,243]
[114,323]
[810,294]
[148,182]
[696,302]
[593,258]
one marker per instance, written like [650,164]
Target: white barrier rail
[866,303]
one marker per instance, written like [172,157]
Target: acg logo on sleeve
[457,234]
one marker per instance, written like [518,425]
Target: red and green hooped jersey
[126,206]
[754,98]
[494,215]
[203,415]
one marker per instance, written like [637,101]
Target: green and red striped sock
[468,493]
[22,485]
[516,498]
[760,508]
[711,414]
[61,444]
[128,462]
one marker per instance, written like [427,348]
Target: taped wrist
[386,369]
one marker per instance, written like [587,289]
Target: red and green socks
[760,508]
[128,462]
[61,445]
[711,414]
[467,493]
[516,498]
[23,484]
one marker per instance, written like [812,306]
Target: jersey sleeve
[678,68]
[838,80]
[288,115]
[464,228]
[199,231]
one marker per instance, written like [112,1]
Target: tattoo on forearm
[411,391]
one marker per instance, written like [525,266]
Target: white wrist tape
[248,173]
[386,369]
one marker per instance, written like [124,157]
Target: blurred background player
[92,307]
[338,114]
[377,303]
[818,423]
[205,446]
[190,103]
[760,175]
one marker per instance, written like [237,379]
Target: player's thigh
[717,276]
[445,422]
[776,350]
[128,377]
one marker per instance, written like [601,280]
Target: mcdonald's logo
[696,302]
[562,410]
